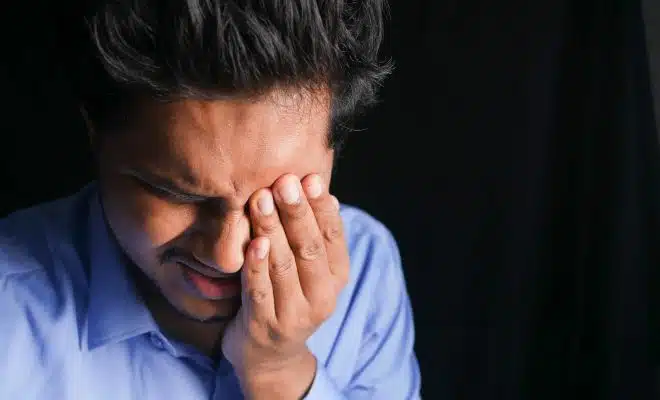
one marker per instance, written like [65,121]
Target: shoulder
[33,241]
[26,257]
[372,246]
[358,221]
[374,295]
[376,265]
[40,281]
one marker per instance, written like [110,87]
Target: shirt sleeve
[387,367]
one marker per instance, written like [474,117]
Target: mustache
[188,259]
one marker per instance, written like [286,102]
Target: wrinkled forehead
[228,126]
[234,145]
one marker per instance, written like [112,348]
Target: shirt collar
[115,312]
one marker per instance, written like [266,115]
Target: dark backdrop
[651,11]
[515,159]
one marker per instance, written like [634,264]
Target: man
[210,260]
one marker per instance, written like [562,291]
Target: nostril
[229,264]
[227,247]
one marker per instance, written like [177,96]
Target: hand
[295,267]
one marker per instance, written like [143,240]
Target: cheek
[144,222]
[326,176]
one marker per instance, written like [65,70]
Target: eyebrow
[166,183]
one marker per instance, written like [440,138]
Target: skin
[233,160]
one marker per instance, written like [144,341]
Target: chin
[217,319]
[212,311]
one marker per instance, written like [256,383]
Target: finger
[303,234]
[281,261]
[257,289]
[328,219]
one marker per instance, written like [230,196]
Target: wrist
[289,381]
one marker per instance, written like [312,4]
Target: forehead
[230,148]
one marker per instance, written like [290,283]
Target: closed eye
[170,195]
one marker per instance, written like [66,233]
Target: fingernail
[265,204]
[314,187]
[262,249]
[290,193]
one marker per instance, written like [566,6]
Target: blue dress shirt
[73,328]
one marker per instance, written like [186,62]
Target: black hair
[208,49]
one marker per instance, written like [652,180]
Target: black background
[515,158]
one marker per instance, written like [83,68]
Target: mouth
[208,287]
[202,280]
[200,268]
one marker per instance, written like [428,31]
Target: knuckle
[283,267]
[287,329]
[268,226]
[331,232]
[297,211]
[254,270]
[273,334]
[311,251]
[257,295]
[259,329]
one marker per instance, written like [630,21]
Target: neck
[205,336]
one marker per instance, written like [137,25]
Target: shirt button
[157,342]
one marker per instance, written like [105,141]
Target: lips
[212,288]
[202,280]
[190,262]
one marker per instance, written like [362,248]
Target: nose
[221,244]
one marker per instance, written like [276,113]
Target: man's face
[175,188]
